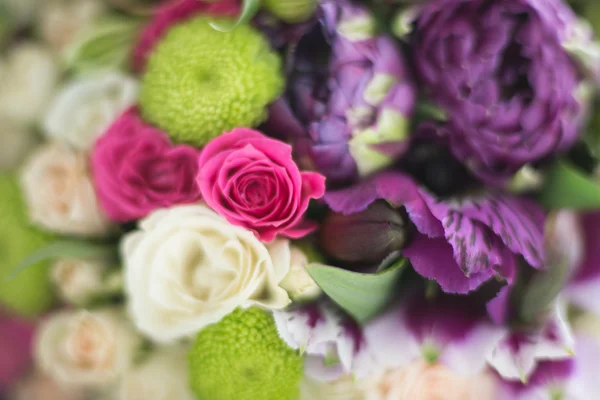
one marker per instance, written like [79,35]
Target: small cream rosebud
[84,349]
[60,22]
[78,281]
[292,11]
[28,76]
[298,282]
[60,195]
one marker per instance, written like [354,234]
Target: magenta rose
[137,169]
[253,181]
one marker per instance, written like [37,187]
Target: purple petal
[396,188]
[433,259]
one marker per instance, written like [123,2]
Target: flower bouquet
[299,199]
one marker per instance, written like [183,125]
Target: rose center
[254,194]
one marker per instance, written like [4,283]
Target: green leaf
[567,187]
[68,249]
[107,44]
[362,295]
[249,10]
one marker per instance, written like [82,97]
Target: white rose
[187,267]
[163,376]
[298,282]
[86,349]
[345,388]
[59,192]
[28,76]
[17,142]
[423,381]
[78,280]
[85,108]
[63,21]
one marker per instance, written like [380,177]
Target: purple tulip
[350,98]
[459,243]
[501,71]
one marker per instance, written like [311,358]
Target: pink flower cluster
[244,175]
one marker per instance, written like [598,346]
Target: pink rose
[137,169]
[16,336]
[176,11]
[253,181]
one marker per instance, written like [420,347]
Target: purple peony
[350,98]
[459,244]
[500,70]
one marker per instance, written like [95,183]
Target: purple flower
[501,71]
[583,238]
[453,331]
[332,342]
[574,379]
[459,244]
[350,98]
[516,356]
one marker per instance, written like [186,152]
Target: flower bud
[292,11]
[367,237]
[298,282]
[526,179]
[78,281]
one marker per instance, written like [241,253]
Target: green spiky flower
[243,358]
[201,82]
[30,292]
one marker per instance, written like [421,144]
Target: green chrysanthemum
[201,82]
[30,292]
[243,358]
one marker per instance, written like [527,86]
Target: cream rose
[187,267]
[298,282]
[86,349]
[163,376]
[28,76]
[17,141]
[59,192]
[84,108]
[422,381]
[60,22]
[77,280]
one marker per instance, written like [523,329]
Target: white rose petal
[60,22]
[78,280]
[86,349]
[59,193]
[28,77]
[298,282]
[85,108]
[187,267]
[163,376]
